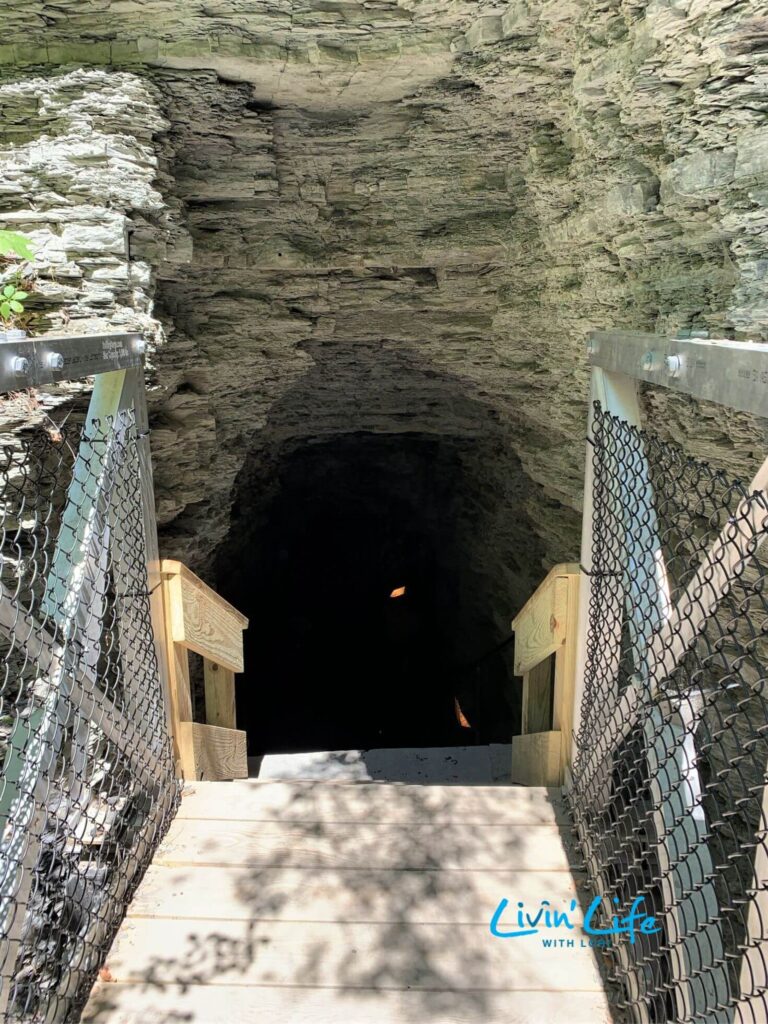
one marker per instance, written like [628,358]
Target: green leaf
[9,290]
[21,295]
[5,310]
[19,245]
[16,306]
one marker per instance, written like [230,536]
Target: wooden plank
[180,686]
[177,666]
[564,712]
[213,1004]
[202,621]
[404,954]
[211,753]
[219,695]
[540,625]
[536,759]
[538,684]
[240,893]
[450,766]
[253,800]
[412,846]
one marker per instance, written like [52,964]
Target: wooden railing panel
[212,754]
[538,713]
[219,695]
[197,619]
[565,712]
[536,759]
[547,626]
[202,621]
[540,627]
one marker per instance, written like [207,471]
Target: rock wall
[81,176]
[405,217]
[644,184]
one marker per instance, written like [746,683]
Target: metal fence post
[136,389]
[88,779]
[658,812]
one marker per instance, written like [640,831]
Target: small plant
[14,244]
[14,289]
[11,303]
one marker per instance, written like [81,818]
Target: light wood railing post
[197,619]
[219,695]
[545,656]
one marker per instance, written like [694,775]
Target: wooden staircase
[317,902]
[353,887]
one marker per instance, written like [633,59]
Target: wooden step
[413,846]
[477,765]
[243,893]
[398,954]
[227,1004]
[253,800]
[351,903]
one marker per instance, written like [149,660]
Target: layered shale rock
[404,218]
[81,177]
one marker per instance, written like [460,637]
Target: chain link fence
[668,786]
[88,785]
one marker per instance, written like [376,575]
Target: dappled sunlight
[380,893]
[474,765]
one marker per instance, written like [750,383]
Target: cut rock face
[391,219]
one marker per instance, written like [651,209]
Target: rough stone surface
[79,173]
[405,216]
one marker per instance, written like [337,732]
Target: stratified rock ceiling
[405,216]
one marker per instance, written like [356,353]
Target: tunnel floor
[335,661]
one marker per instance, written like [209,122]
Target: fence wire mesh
[673,742]
[88,784]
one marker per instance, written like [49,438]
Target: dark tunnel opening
[322,534]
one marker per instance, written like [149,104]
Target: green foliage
[13,244]
[11,302]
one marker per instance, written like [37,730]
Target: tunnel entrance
[346,555]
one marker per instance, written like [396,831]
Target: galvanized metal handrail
[731,373]
[52,358]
